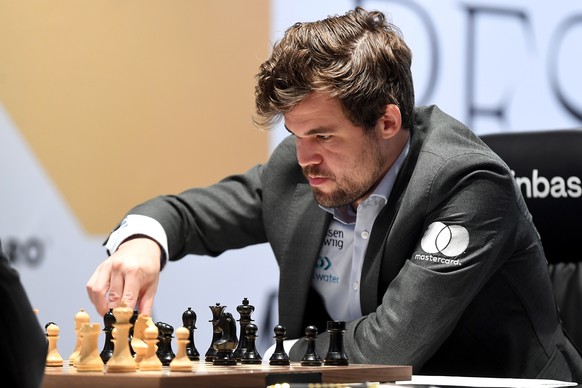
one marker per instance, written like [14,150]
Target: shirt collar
[347,215]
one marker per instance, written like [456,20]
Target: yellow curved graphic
[124,100]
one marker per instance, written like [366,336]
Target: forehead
[315,110]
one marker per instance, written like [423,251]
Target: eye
[324,137]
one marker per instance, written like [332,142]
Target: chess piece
[225,345]
[89,359]
[245,310]
[311,358]
[165,352]
[81,318]
[251,355]
[151,361]
[137,339]
[108,322]
[189,322]
[132,321]
[279,356]
[216,313]
[335,354]
[121,360]
[181,363]
[53,358]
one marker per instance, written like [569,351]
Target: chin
[329,201]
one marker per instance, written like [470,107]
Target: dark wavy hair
[359,58]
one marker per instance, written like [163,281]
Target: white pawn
[181,363]
[89,359]
[80,318]
[151,361]
[53,358]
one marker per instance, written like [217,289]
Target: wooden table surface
[240,376]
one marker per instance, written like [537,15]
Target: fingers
[117,285]
[146,301]
[130,286]
[98,286]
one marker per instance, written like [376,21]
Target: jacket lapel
[300,256]
[379,267]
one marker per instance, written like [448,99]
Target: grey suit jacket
[454,280]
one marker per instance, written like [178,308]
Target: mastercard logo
[447,240]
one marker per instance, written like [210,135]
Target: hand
[131,274]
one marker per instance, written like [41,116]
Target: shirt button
[355,286]
[365,234]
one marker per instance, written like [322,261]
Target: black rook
[335,354]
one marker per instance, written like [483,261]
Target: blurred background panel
[123,100]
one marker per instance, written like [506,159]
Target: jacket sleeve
[23,345]
[211,220]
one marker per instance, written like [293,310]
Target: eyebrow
[311,132]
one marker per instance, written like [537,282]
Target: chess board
[240,376]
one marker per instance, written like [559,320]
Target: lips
[316,181]
[316,176]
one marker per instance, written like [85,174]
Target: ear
[391,122]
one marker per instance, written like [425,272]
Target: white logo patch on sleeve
[448,240]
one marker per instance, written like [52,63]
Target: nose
[307,153]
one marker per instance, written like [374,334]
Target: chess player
[394,218]
[23,345]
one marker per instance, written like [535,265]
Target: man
[23,345]
[396,219]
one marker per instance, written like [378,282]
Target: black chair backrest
[548,167]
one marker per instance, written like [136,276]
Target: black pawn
[164,352]
[251,355]
[245,310]
[108,346]
[279,356]
[216,313]
[335,354]
[189,322]
[311,358]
